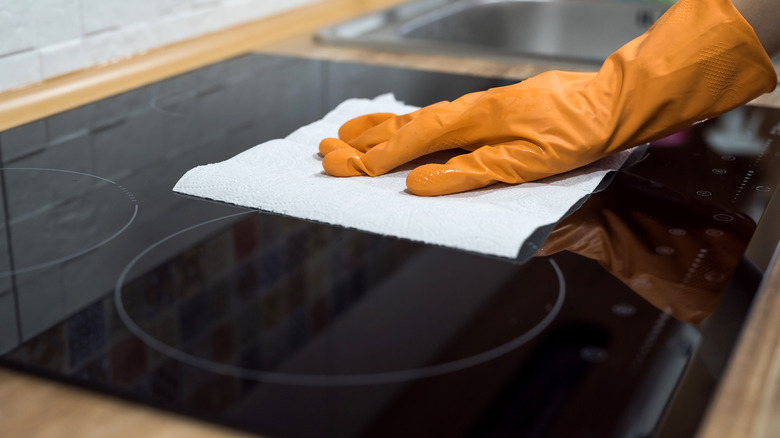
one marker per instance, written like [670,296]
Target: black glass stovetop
[619,326]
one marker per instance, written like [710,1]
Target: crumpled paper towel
[285,176]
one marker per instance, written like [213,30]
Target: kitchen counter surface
[747,404]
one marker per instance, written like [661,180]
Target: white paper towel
[285,176]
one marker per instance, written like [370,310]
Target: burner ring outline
[323,380]
[79,253]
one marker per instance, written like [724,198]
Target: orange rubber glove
[700,59]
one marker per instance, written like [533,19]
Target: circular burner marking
[126,194]
[326,379]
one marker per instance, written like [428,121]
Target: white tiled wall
[40,39]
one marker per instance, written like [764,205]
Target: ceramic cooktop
[620,326]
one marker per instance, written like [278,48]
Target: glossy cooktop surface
[620,325]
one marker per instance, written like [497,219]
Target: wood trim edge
[746,402]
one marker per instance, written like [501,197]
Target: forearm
[763,16]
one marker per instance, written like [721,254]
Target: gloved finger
[444,179]
[365,132]
[431,131]
[345,162]
[330,144]
[375,135]
[342,160]
[356,127]
[513,162]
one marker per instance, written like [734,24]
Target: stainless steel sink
[563,30]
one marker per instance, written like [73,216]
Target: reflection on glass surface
[49,214]
[9,329]
[673,250]
[323,306]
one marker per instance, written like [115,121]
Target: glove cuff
[699,60]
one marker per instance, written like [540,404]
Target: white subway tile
[292,4]
[206,3]
[28,24]
[235,12]
[172,7]
[218,18]
[256,9]
[252,10]
[137,38]
[100,15]
[15,31]
[103,47]
[53,20]
[205,20]
[119,43]
[178,27]
[63,58]
[19,69]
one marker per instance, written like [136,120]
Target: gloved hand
[700,59]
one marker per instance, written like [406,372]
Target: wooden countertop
[747,404]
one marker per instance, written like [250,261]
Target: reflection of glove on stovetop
[699,60]
[626,229]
